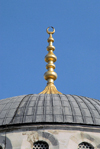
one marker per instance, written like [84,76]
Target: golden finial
[50,58]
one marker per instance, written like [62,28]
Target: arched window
[40,145]
[85,145]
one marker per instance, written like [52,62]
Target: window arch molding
[43,139]
[80,137]
[33,136]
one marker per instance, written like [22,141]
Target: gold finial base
[50,89]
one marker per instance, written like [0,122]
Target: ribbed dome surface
[52,108]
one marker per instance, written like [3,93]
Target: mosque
[50,119]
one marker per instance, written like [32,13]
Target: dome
[49,108]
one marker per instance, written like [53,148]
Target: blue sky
[23,42]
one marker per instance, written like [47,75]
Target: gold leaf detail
[50,89]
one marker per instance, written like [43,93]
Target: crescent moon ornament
[51,32]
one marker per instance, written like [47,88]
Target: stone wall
[57,136]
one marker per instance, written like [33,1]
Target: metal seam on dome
[22,116]
[4,120]
[6,111]
[35,110]
[61,106]
[97,101]
[81,110]
[93,105]
[18,107]
[89,108]
[44,109]
[71,103]
[52,107]
[71,106]
[24,109]
[26,105]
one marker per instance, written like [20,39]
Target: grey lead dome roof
[49,108]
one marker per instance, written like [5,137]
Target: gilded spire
[50,58]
